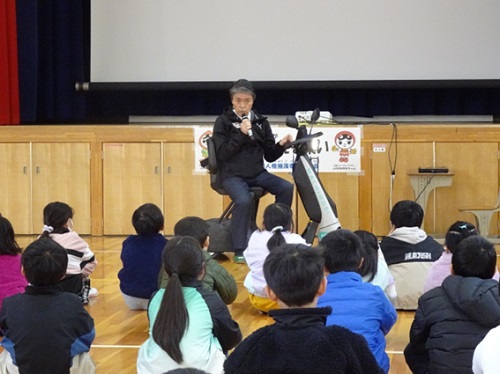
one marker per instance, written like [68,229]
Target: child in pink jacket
[58,225]
[12,281]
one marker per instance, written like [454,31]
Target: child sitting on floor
[374,269]
[141,257]
[46,330]
[276,230]
[360,307]
[453,318]
[12,281]
[442,267]
[298,341]
[58,225]
[217,278]
[189,325]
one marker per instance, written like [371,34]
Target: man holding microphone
[243,139]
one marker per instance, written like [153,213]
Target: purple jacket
[12,281]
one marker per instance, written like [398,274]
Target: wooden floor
[120,332]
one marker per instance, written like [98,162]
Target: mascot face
[344,139]
[202,141]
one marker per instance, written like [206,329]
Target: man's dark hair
[242,86]
[407,213]
[148,219]
[458,232]
[294,273]
[44,262]
[194,227]
[474,256]
[342,251]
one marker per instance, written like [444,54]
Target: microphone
[250,132]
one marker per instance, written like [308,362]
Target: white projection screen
[294,40]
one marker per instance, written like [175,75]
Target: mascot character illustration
[344,143]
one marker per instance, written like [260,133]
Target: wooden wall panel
[475,183]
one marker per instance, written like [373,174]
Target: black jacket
[237,154]
[299,342]
[44,328]
[450,322]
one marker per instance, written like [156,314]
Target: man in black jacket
[243,139]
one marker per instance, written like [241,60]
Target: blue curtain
[51,60]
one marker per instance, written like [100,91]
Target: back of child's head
[342,251]
[369,252]
[44,262]
[8,244]
[277,218]
[148,220]
[183,261]
[55,217]
[474,256]
[458,232]
[294,273]
[407,213]
[192,226]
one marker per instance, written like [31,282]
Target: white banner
[337,150]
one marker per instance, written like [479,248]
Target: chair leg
[483,221]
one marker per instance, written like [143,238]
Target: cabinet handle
[37,169]
[156,170]
[168,169]
[25,169]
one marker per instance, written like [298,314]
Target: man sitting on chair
[243,139]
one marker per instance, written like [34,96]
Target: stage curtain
[9,87]
[50,60]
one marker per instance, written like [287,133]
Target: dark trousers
[238,189]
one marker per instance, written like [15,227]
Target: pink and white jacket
[81,259]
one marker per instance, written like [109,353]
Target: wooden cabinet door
[475,183]
[410,157]
[186,193]
[15,186]
[131,177]
[61,172]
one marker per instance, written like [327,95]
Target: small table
[424,183]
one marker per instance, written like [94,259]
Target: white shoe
[93,292]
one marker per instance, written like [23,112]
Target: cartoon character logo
[344,143]
[202,141]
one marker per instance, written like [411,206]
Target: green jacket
[216,279]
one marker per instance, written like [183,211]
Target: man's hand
[287,139]
[245,126]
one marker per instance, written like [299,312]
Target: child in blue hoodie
[360,307]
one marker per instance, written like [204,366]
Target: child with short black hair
[409,252]
[453,318]
[141,257]
[12,281]
[189,325]
[58,225]
[298,341]
[374,269]
[276,230]
[46,329]
[358,306]
[217,278]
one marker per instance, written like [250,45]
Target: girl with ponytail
[58,226]
[276,230]
[190,326]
